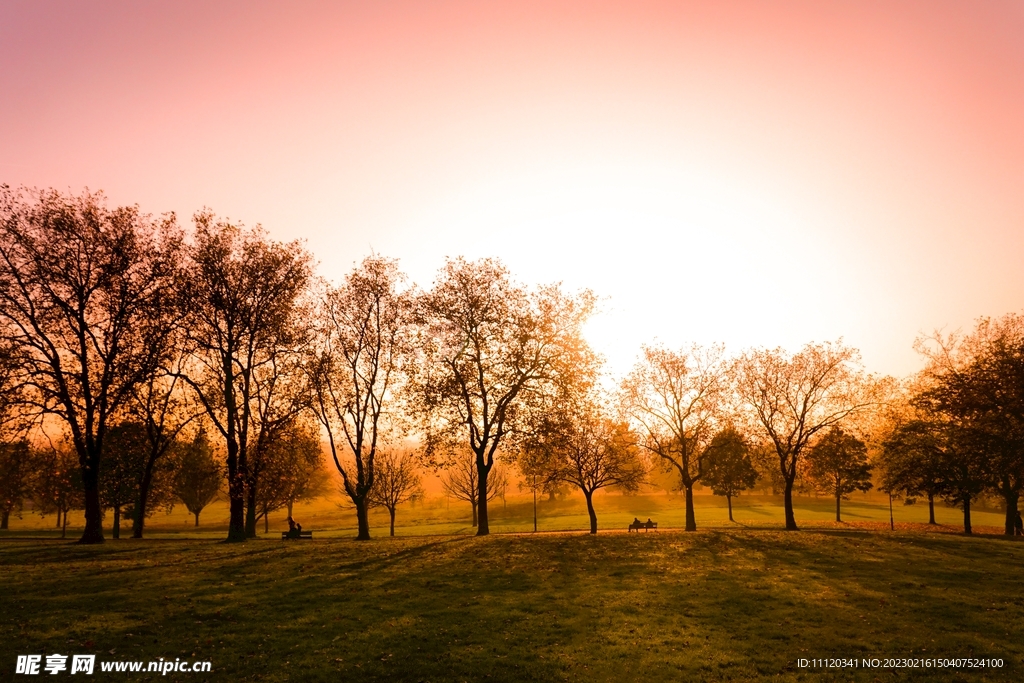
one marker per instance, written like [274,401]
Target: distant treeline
[142,364]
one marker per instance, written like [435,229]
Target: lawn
[440,516]
[720,604]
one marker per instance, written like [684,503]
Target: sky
[751,173]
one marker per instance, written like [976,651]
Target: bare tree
[460,481]
[675,398]
[243,292]
[79,288]
[396,481]
[492,351]
[794,397]
[362,342]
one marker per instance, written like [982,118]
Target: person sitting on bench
[293,529]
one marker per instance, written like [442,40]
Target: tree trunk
[4,519]
[482,526]
[931,508]
[236,495]
[691,521]
[788,503]
[728,499]
[266,524]
[291,504]
[473,503]
[967,514]
[1012,498]
[197,519]
[362,520]
[93,532]
[64,527]
[250,510]
[590,510]
[535,507]
[392,511]
[117,521]
[838,499]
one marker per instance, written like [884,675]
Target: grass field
[441,516]
[720,604]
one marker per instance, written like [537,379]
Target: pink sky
[758,173]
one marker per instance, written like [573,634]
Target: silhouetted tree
[492,353]
[16,471]
[729,470]
[977,380]
[80,286]
[911,461]
[592,451]
[282,439]
[243,292]
[57,486]
[838,465]
[197,474]
[460,481]
[362,343]
[124,463]
[293,470]
[794,397]
[675,398]
[160,404]
[396,481]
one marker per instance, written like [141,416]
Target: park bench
[637,526]
[302,535]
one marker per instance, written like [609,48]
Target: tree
[285,451]
[460,481]
[125,460]
[911,461]
[15,478]
[794,397]
[396,481]
[362,343]
[978,380]
[197,475]
[292,470]
[838,465]
[58,483]
[493,352]
[729,469]
[242,293]
[79,288]
[591,451]
[675,398]
[161,406]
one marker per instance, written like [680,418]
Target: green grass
[720,604]
[440,516]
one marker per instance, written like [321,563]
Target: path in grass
[715,605]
